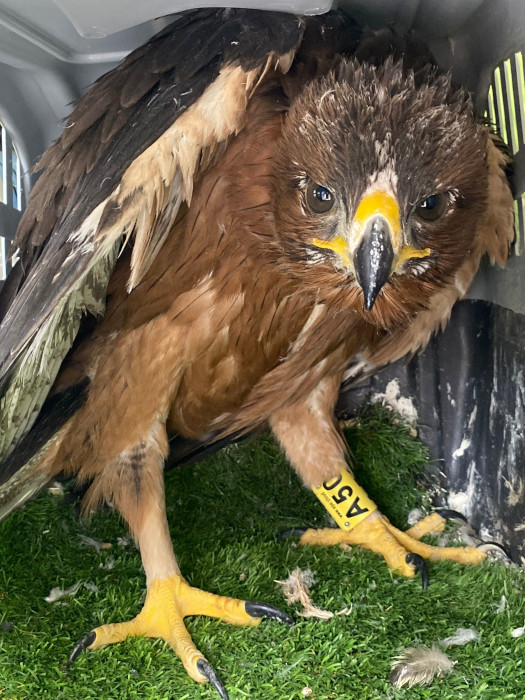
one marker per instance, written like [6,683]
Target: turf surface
[225,516]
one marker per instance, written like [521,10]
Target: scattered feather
[502,605]
[419,666]
[467,535]
[460,637]
[96,544]
[306,692]
[518,632]
[108,564]
[346,611]
[56,489]
[296,589]
[415,515]
[123,541]
[57,593]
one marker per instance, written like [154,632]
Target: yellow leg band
[345,500]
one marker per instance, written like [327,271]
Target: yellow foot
[168,602]
[403,552]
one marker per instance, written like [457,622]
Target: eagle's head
[381,183]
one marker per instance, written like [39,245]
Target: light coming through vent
[10,198]
[506,112]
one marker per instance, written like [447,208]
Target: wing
[126,161]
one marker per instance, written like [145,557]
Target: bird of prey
[250,208]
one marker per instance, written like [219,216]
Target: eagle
[252,208]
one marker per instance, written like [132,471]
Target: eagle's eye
[432,208]
[319,199]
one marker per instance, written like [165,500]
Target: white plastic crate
[52,50]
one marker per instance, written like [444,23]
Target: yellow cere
[338,245]
[408,252]
[383,204]
[345,500]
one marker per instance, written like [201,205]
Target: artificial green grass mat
[225,515]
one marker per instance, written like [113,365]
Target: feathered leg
[313,443]
[138,473]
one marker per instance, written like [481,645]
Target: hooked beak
[373,258]
[374,249]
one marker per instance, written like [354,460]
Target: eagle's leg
[169,598]
[314,445]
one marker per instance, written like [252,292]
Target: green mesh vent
[506,112]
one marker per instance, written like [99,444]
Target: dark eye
[319,198]
[432,208]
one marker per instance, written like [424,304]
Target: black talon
[264,610]
[420,564]
[292,532]
[207,670]
[449,514]
[86,641]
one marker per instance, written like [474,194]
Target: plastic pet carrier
[467,388]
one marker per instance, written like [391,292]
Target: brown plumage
[256,268]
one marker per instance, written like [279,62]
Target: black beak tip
[370,300]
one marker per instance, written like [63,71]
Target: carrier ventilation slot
[10,198]
[506,113]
